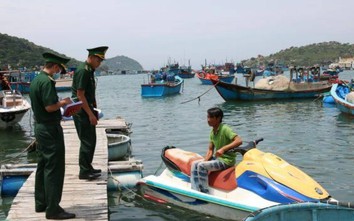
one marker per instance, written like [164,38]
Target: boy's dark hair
[216,112]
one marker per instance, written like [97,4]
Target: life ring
[7,117]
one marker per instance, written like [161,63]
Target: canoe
[339,93]
[234,92]
[119,147]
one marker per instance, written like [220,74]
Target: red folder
[72,108]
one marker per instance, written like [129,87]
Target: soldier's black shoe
[90,176]
[61,215]
[96,171]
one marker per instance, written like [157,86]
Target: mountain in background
[120,63]
[321,54]
[19,53]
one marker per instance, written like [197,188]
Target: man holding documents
[50,139]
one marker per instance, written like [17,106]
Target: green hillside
[323,53]
[19,53]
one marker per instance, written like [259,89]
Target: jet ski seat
[181,160]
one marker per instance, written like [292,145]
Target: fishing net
[278,82]
[350,97]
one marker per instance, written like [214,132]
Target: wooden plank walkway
[87,199]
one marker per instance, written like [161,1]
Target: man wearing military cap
[50,172]
[84,89]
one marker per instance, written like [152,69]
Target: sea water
[316,138]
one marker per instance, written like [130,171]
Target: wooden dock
[87,199]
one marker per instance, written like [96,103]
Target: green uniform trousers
[50,167]
[87,135]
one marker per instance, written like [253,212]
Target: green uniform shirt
[84,79]
[42,94]
[224,136]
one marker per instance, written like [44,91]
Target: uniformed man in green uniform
[50,139]
[84,89]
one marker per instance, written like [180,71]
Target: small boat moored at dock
[13,107]
[12,177]
[124,174]
[343,98]
[119,147]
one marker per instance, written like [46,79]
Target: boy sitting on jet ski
[222,139]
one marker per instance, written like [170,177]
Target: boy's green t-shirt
[224,136]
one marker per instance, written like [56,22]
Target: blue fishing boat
[182,71]
[234,92]
[205,77]
[186,72]
[162,84]
[302,211]
[340,93]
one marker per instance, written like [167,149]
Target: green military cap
[49,57]
[99,51]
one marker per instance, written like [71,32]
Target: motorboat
[13,106]
[260,181]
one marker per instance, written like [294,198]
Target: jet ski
[260,181]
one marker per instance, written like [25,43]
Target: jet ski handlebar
[247,147]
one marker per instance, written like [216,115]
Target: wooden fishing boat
[206,78]
[161,85]
[340,93]
[294,90]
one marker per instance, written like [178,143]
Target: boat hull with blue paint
[339,92]
[162,88]
[234,92]
[206,78]
[302,211]
[124,174]
[12,177]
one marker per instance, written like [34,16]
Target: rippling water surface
[318,139]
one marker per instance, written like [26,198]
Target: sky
[155,32]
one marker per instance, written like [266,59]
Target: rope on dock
[129,191]
[201,94]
